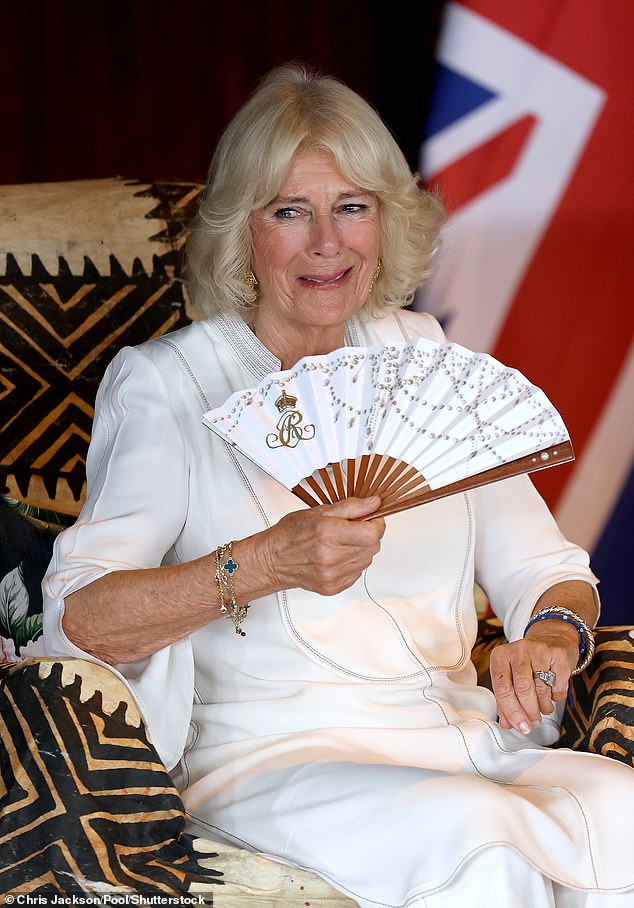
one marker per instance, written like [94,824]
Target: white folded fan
[411,421]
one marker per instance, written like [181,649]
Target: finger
[319,549]
[559,690]
[544,696]
[514,689]
[504,722]
[352,508]
[346,523]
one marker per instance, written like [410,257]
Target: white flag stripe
[490,242]
[600,473]
[525,81]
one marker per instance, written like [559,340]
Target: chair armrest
[602,717]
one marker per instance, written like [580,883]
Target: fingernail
[524,728]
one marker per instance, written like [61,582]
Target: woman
[345,732]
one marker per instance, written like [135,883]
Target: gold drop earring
[251,281]
[375,276]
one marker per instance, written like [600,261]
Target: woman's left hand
[521,697]
[550,645]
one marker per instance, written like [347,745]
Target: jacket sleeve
[137,480]
[138,492]
[520,551]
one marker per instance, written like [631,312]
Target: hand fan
[411,421]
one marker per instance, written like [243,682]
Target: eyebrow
[303,200]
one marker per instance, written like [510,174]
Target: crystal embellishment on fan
[411,421]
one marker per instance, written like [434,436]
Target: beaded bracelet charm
[225,569]
[586,637]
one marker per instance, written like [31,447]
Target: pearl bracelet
[586,637]
[225,569]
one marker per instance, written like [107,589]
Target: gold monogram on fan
[289,431]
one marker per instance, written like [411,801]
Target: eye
[286,213]
[353,208]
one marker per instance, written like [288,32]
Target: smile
[326,281]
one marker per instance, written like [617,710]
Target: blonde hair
[295,107]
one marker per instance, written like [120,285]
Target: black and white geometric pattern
[61,323]
[85,803]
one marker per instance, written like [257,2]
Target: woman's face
[315,247]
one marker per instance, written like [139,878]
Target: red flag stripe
[486,165]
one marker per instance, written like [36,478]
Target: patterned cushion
[86,803]
[602,717]
[86,806]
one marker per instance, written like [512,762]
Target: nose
[325,239]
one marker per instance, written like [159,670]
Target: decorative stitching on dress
[247,483]
[179,353]
[244,344]
[461,591]
[491,729]
[505,844]
[393,620]
[206,406]
[406,335]
[252,353]
[184,764]
[228,835]
[326,660]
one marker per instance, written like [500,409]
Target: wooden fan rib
[377,467]
[304,496]
[331,492]
[388,464]
[390,469]
[351,468]
[386,476]
[317,489]
[371,476]
[399,485]
[416,486]
[401,480]
[531,463]
[321,484]
[337,473]
[363,464]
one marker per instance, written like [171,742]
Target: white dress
[345,734]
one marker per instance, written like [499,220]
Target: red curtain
[142,88]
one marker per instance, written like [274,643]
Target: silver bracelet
[586,637]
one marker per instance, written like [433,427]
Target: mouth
[326,280]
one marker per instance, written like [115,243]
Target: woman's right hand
[127,615]
[323,549]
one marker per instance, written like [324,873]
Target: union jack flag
[530,139]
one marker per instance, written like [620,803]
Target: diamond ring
[548,678]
